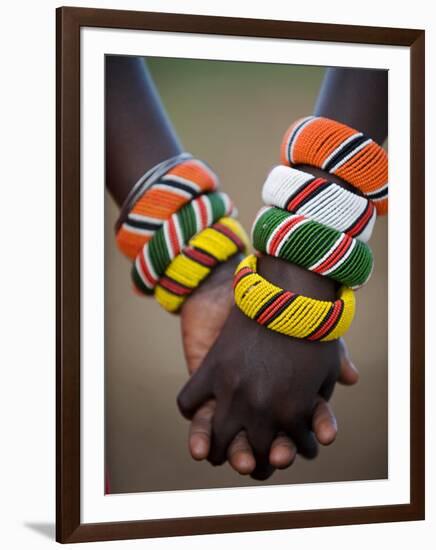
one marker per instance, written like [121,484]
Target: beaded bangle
[161,192]
[168,241]
[290,313]
[312,245]
[213,245]
[323,201]
[340,150]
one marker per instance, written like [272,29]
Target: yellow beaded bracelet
[213,245]
[290,313]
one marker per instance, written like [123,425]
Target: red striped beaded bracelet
[287,312]
[323,201]
[340,150]
[214,245]
[312,245]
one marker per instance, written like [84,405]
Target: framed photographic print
[222,203]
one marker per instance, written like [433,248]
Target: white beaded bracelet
[321,200]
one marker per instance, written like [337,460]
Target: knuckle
[259,400]
[205,413]
[230,380]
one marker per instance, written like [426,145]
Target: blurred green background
[232,115]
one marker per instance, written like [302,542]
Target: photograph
[246,270]
[239,288]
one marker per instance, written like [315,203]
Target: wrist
[297,279]
[205,311]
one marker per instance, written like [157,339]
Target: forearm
[139,134]
[358,98]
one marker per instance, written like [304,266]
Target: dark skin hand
[265,383]
[296,375]
[203,317]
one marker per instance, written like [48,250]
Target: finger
[348,374]
[327,387]
[200,431]
[224,429]
[240,455]
[304,439]
[195,392]
[283,452]
[260,438]
[324,423]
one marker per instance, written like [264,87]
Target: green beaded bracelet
[312,245]
[168,241]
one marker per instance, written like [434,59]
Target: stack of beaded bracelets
[316,224]
[168,241]
[290,313]
[161,192]
[319,199]
[176,228]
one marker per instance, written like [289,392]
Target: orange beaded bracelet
[340,150]
[160,193]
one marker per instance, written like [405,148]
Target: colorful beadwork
[163,196]
[168,241]
[312,245]
[207,249]
[318,199]
[287,312]
[340,150]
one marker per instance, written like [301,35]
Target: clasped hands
[255,398]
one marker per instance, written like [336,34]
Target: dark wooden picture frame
[68,522]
